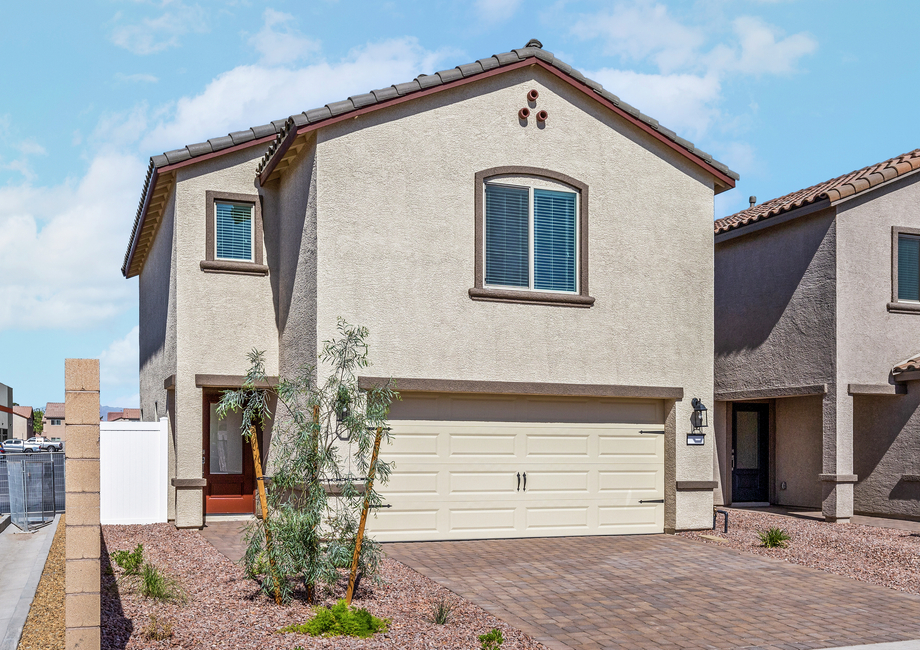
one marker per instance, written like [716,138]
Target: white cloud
[279,43]
[493,12]
[61,247]
[256,94]
[685,103]
[643,30]
[118,364]
[152,35]
[759,51]
[136,78]
[31,148]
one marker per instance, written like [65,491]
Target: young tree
[37,424]
[323,434]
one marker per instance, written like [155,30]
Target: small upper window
[908,268]
[234,231]
[531,237]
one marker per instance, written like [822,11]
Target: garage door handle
[525,481]
[519,482]
[658,432]
[651,500]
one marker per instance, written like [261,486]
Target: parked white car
[40,443]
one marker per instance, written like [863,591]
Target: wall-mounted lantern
[699,420]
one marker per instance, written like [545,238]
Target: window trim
[210,263]
[480,291]
[897,306]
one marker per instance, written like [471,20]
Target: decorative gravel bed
[881,556]
[44,628]
[225,610]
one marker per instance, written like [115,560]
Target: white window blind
[507,236]
[234,231]
[908,268]
[554,240]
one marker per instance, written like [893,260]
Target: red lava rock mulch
[226,610]
[881,556]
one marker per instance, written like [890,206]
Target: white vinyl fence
[133,474]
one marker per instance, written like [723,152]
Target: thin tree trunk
[314,482]
[372,470]
[263,501]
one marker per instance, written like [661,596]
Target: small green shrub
[441,611]
[341,620]
[774,538]
[153,583]
[493,640]
[130,561]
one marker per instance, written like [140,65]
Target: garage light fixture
[699,420]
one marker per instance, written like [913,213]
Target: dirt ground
[44,628]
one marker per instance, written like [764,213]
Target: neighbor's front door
[228,466]
[750,453]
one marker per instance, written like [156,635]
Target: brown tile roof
[111,416]
[832,190]
[126,414]
[54,410]
[908,366]
[23,411]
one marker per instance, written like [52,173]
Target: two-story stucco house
[817,336]
[533,259]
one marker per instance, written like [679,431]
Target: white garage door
[486,480]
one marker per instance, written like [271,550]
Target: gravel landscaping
[224,609]
[44,628]
[881,556]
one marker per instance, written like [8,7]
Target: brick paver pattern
[661,591]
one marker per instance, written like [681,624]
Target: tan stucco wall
[798,451]
[395,240]
[53,430]
[21,428]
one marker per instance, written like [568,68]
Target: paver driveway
[661,591]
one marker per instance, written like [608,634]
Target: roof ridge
[834,189]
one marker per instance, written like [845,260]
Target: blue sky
[787,93]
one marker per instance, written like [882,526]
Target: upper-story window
[234,227]
[233,239]
[908,267]
[531,237]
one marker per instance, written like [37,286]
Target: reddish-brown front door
[228,466]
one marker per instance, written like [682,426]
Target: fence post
[83,548]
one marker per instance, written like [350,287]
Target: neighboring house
[6,412]
[22,422]
[532,257]
[126,415]
[817,337]
[53,420]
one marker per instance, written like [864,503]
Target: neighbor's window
[531,237]
[55,422]
[233,227]
[909,268]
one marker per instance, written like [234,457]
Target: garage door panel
[458,480]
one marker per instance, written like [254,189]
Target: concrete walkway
[22,560]
[817,515]
[662,592]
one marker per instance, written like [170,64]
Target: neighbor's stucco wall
[395,235]
[798,451]
[220,316]
[775,306]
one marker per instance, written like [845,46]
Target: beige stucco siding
[220,316]
[799,435]
[395,219]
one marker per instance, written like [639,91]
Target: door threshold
[213,519]
[750,504]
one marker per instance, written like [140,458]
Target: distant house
[817,300]
[53,420]
[22,422]
[6,412]
[126,415]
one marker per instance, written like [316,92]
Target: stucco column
[837,476]
[189,481]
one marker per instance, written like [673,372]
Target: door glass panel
[226,443]
[747,439]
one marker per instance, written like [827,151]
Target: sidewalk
[804,513]
[22,559]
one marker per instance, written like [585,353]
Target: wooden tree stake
[367,502]
[314,481]
[263,501]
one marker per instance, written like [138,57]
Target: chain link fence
[32,488]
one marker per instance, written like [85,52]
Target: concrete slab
[22,560]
